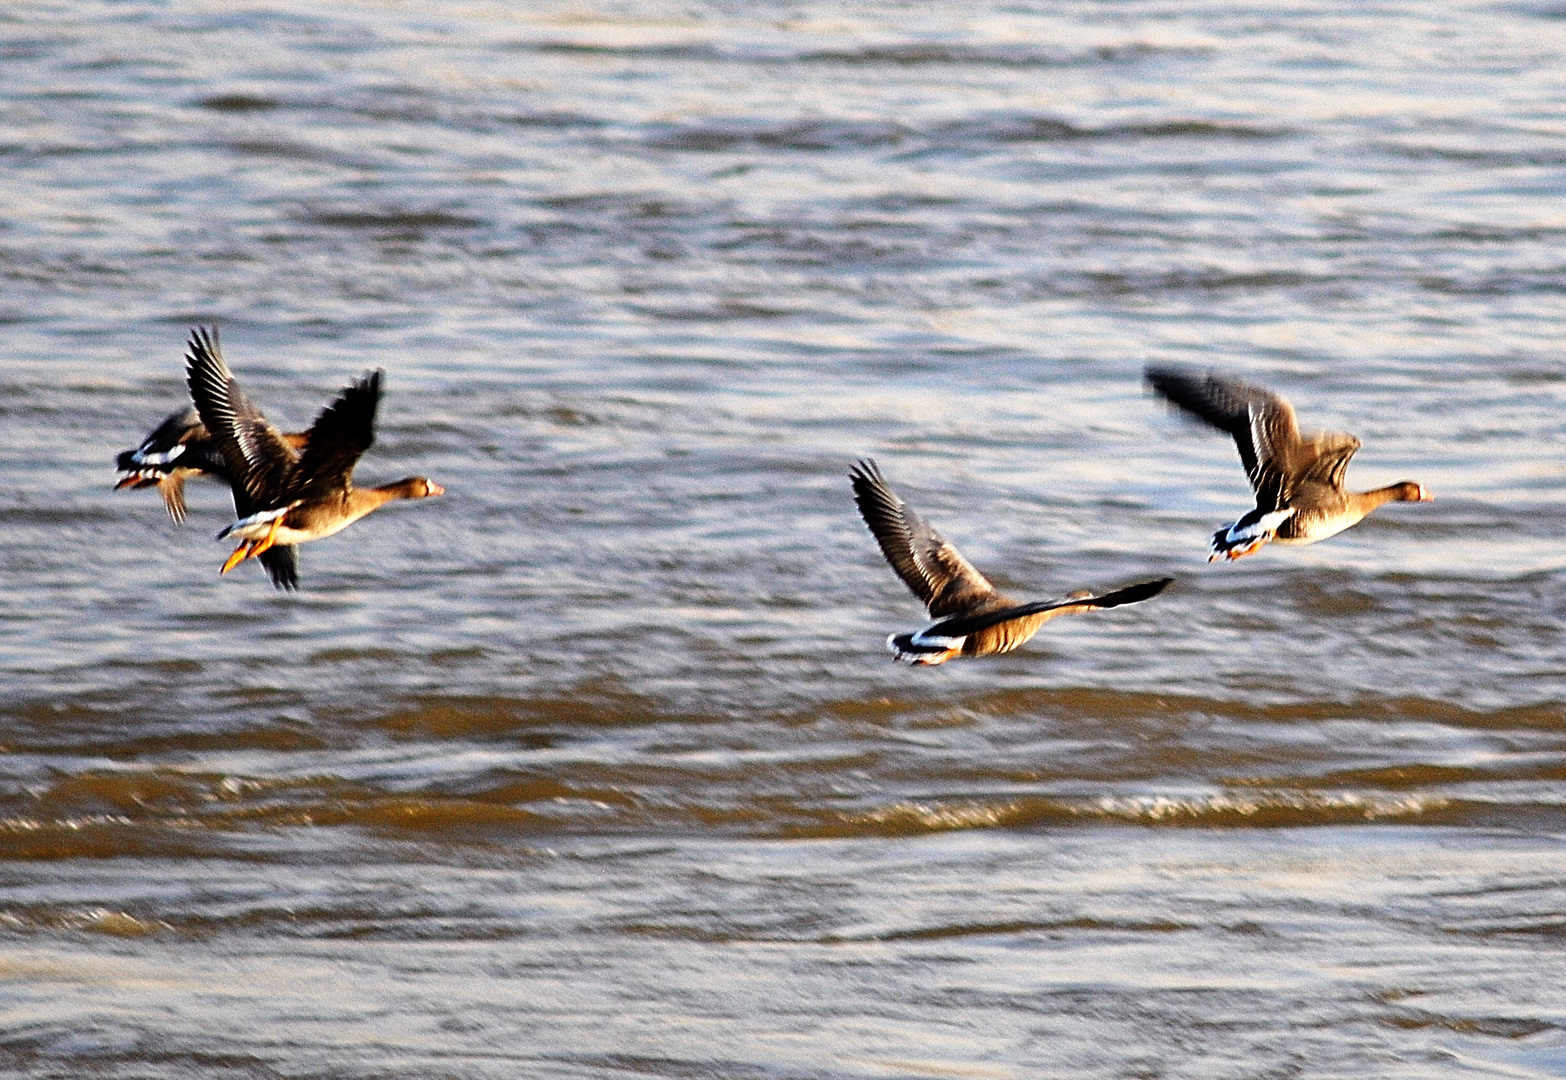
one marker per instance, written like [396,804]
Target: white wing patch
[1270,522]
[143,458]
[924,638]
[1233,536]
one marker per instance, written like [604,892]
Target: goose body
[972,618]
[1298,479]
[316,519]
[287,491]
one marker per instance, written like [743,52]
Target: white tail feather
[1232,536]
[256,526]
[920,650]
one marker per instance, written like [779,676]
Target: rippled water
[596,767]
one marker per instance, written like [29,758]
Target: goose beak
[435,489]
[1424,495]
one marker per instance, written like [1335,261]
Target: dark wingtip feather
[204,344]
[1158,376]
[876,500]
[1155,374]
[864,473]
[1190,389]
[1132,594]
[353,411]
[1206,394]
[283,564]
[206,375]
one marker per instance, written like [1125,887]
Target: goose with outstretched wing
[1298,479]
[972,618]
[285,496]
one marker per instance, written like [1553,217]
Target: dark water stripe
[1023,926]
[845,134]
[103,815]
[872,56]
[105,721]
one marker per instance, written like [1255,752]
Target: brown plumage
[973,619]
[285,496]
[1298,479]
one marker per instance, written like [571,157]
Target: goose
[972,618]
[282,496]
[1298,479]
[176,450]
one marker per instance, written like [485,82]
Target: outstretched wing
[935,570]
[1323,457]
[338,438]
[968,625]
[1261,423]
[259,458]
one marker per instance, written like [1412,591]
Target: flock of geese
[291,488]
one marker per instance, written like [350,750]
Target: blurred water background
[597,766]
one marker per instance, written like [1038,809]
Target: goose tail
[919,650]
[1246,536]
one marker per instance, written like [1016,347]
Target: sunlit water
[597,766]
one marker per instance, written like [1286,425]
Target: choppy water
[596,767]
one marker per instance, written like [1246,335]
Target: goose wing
[1324,457]
[934,569]
[341,434]
[966,625]
[1261,423]
[282,562]
[258,457]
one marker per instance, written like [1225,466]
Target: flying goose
[1298,479]
[284,496]
[972,618]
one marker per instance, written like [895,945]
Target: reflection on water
[597,767]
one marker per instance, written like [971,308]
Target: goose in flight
[1298,479]
[972,618]
[285,496]
[176,450]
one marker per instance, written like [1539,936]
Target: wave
[1277,809]
[892,54]
[169,812]
[993,130]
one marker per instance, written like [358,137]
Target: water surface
[597,767]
